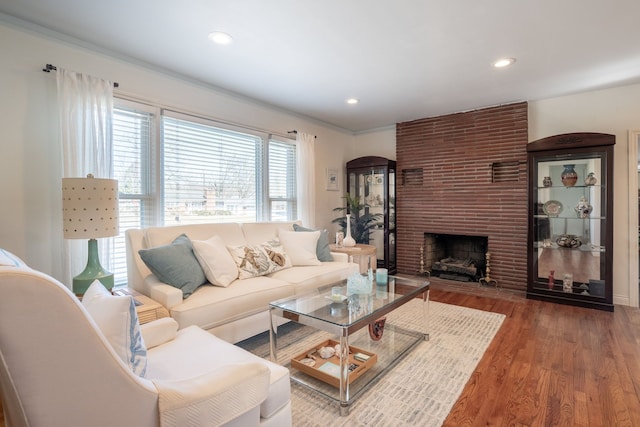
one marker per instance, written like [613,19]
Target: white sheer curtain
[86,111]
[306,178]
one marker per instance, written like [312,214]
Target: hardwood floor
[550,364]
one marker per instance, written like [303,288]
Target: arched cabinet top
[571,140]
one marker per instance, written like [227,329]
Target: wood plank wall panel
[457,196]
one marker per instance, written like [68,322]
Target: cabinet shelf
[591,218]
[554,246]
[569,188]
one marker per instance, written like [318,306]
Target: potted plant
[362,222]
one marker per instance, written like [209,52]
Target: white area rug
[423,387]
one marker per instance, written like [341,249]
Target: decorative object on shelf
[307,361]
[363,223]
[358,284]
[326,352]
[339,238]
[567,283]
[569,241]
[546,181]
[82,199]
[569,176]
[348,240]
[374,200]
[487,280]
[590,179]
[551,282]
[596,287]
[382,276]
[583,208]
[552,208]
[337,294]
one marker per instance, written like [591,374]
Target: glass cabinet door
[570,225]
[570,220]
[391,228]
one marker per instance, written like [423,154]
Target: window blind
[210,174]
[282,181]
[131,147]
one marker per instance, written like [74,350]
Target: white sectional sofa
[239,310]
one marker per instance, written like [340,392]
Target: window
[282,181]
[210,174]
[132,145]
[207,172]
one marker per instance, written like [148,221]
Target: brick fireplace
[465,174]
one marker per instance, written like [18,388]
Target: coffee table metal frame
[316,310]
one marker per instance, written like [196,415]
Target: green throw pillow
[175,264]
[322,249]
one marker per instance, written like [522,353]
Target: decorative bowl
[569,241]
[552,208]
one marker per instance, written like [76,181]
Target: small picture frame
[332,183]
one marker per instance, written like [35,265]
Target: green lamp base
[93,271]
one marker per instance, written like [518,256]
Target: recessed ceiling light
[220,38]
[504,62]
[352,101]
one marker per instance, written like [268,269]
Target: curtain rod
[296,132]
[49,68]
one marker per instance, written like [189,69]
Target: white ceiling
[403,60]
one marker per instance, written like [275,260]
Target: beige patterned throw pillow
[258,260]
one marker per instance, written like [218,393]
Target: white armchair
[57,368]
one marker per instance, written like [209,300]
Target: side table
[360,253]
[148,309]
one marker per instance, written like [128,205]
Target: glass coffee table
[366,346]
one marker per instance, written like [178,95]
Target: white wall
[30,154]
[377,142]
[615,111]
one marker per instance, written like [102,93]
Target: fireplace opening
[456,257]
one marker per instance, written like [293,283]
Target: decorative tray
[552,208]
[328,370]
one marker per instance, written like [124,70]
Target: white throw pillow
[301,247]
[216,261]
[117,318]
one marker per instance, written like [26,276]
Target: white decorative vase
[583,208]
[348,240]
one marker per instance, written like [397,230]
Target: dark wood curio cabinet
[373,180]
[570,211]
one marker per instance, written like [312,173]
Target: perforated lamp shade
[90,211]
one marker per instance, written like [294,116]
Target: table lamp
[90,211]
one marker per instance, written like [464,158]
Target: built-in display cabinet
[373,180]
[570,206]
